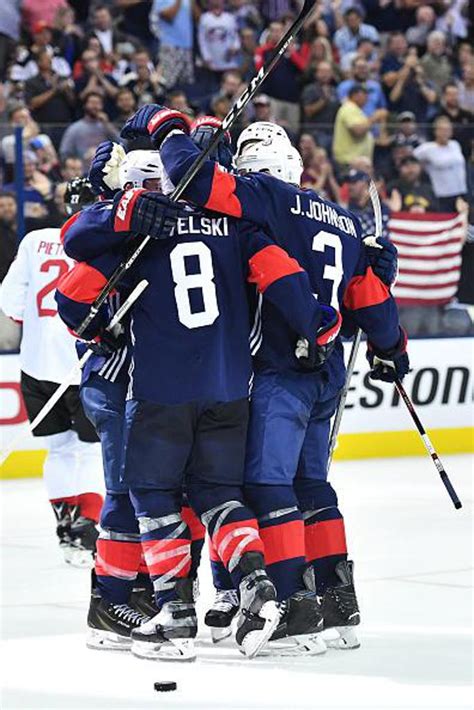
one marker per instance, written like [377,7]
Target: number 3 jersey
[190,328]
[47,349]
[322,236]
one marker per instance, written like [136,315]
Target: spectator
[126,106]
[320,105]
[218,37]
[263,108]
[366,49]
[9,34]
[248,44]
[71,168]
[463,121]
[35,11]
[410,192]
[89,131]
[67,35]
[103,29]
[466,87]
[8,229]
[435,63]
[43,38]
[145,83]
[32,139]
[348,36]
[50,98]
[37,191]
[444,162]
[404,78]
[93,44]
[361,205]
[417,35]
[172,23]
[360,75]
[134,20]
[319,51]
[282,85]
[406,131]
[93,80]
[246,14]
[352,136]
[318,173]
[178,101]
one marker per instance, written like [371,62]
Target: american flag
[429,256]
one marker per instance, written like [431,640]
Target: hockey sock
[282,532]
[166,540]
[325,537]
[198,532]
[221,579]
[90,505]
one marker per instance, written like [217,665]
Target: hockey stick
[377,208]
[228,121]
[428,445]
[58,393]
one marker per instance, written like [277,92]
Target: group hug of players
[213,400]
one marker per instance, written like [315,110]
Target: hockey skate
[222,612]
[340,609]
[142,599]
[169,635]
[259,612]
[111,625]
[83,534]
[299,630]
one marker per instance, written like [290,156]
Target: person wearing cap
[348,36]
[411,191]
[361,205]
[263,108]
[43,40]
[352,135]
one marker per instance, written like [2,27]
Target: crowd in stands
[371,88]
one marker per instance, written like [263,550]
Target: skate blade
[107,641]
[345,639]
[254,641]
[82,559]
[220,633]
[297,646]
[173,650]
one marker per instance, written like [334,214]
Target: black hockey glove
[389,365]
[312,356]
[155,121]
[107,342]
[203,130]
[383,258]
[145,212]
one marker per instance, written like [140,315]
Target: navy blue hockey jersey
[190,328]
[323,237]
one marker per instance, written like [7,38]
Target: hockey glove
[312,356]
[104,170]
[155,121]
[145,212]
[389,365]
[383,258]
[107,342]
[202,132]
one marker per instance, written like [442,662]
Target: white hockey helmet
[140,165]
[278,159]
[261,132]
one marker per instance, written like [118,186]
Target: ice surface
[413,557]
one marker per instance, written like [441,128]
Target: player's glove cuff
[312,356]
[383,258]
[389,365]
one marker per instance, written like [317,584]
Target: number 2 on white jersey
[332,272]
[203,280]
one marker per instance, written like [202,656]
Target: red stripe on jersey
[66,226]
[241,533]
[270,264]
[83,283]
[164,556]
[124,209]
[365,290]
[90,505]
[213,556]
[283,542]
[116,558]
[195,526]
[222,197]
[328,537]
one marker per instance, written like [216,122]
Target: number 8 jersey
[47,350]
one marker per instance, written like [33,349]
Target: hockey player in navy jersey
[189,395]
[286,466]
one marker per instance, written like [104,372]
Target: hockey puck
[164,686]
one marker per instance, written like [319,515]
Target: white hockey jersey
[47,350]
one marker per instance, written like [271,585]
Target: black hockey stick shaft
[429,446]
[228,121]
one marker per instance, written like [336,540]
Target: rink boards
[375,422]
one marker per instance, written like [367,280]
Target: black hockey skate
[142,599]
[111,625]
[259,612]
[340,608]
[222,612]
[298,633]
[169,635]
